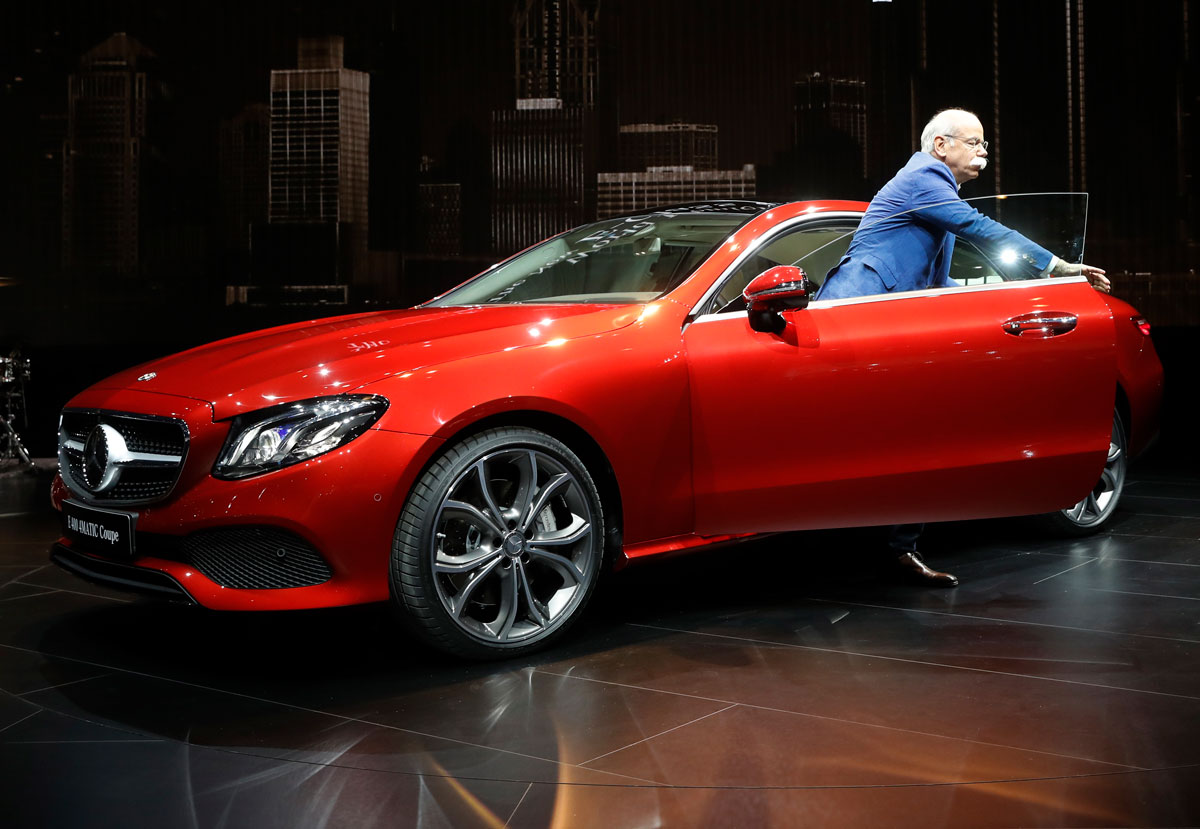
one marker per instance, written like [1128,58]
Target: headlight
[280,436]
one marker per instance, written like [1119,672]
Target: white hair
[945,122]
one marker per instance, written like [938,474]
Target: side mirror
[783,287]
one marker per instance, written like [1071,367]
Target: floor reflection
[780,682]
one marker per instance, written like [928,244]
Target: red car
[627,389]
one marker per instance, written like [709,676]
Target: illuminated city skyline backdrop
[1071,93]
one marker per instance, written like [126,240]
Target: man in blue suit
[905,242]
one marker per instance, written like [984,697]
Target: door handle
[1040,325]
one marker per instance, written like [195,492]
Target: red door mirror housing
[781,288]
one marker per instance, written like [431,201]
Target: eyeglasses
[973,143]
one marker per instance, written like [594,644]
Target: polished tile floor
[779,683]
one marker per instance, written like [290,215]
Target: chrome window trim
[772,233]
[825,304]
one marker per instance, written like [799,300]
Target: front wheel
[1097,507]
[499,546]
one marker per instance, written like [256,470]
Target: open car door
[988,399]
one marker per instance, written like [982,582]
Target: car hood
[340,354]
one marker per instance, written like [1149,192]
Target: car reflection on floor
[1057,685]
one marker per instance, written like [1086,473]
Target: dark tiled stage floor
[777,683]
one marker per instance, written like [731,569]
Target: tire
[499,546]
[1096,509]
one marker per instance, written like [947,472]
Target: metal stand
[13,448]
[13,373]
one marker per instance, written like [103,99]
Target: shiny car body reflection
[599,398]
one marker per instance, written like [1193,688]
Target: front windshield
[628,259]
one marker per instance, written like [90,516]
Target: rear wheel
[499,546]
[1097,507]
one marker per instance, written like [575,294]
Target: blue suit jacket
[906,238]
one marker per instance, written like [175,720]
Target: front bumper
[120,576]
[340,509]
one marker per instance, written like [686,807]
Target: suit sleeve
[939,205]
[942,278]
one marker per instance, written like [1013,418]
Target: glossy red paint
[532,366]
[681,544]
[919,407]
[1139,374]
[699,429]
[783,282]
[333,356]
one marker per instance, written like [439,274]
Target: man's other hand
[1094,275]
[1097,278]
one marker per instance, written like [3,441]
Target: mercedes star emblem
[101,455]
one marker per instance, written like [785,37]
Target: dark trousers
[903,537]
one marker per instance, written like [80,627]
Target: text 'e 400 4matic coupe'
[638,386]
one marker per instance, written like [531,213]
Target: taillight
[1142,324]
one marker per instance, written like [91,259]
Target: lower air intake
[255,558]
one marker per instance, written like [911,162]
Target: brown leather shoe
[911,568]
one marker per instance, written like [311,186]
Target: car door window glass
[818,246]
[1055,221]
[970,267]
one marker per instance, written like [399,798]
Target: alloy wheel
[1095,508]
[514,546]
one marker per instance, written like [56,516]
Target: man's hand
[1097,278]
[1094,275]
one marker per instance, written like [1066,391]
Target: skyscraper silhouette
[320,133]
[642,146]
[665,164]
[104,157]
[243,146]
[544,150]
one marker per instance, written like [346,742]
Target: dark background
[1120,124]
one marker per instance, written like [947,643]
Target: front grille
[262,558]
[156,448]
